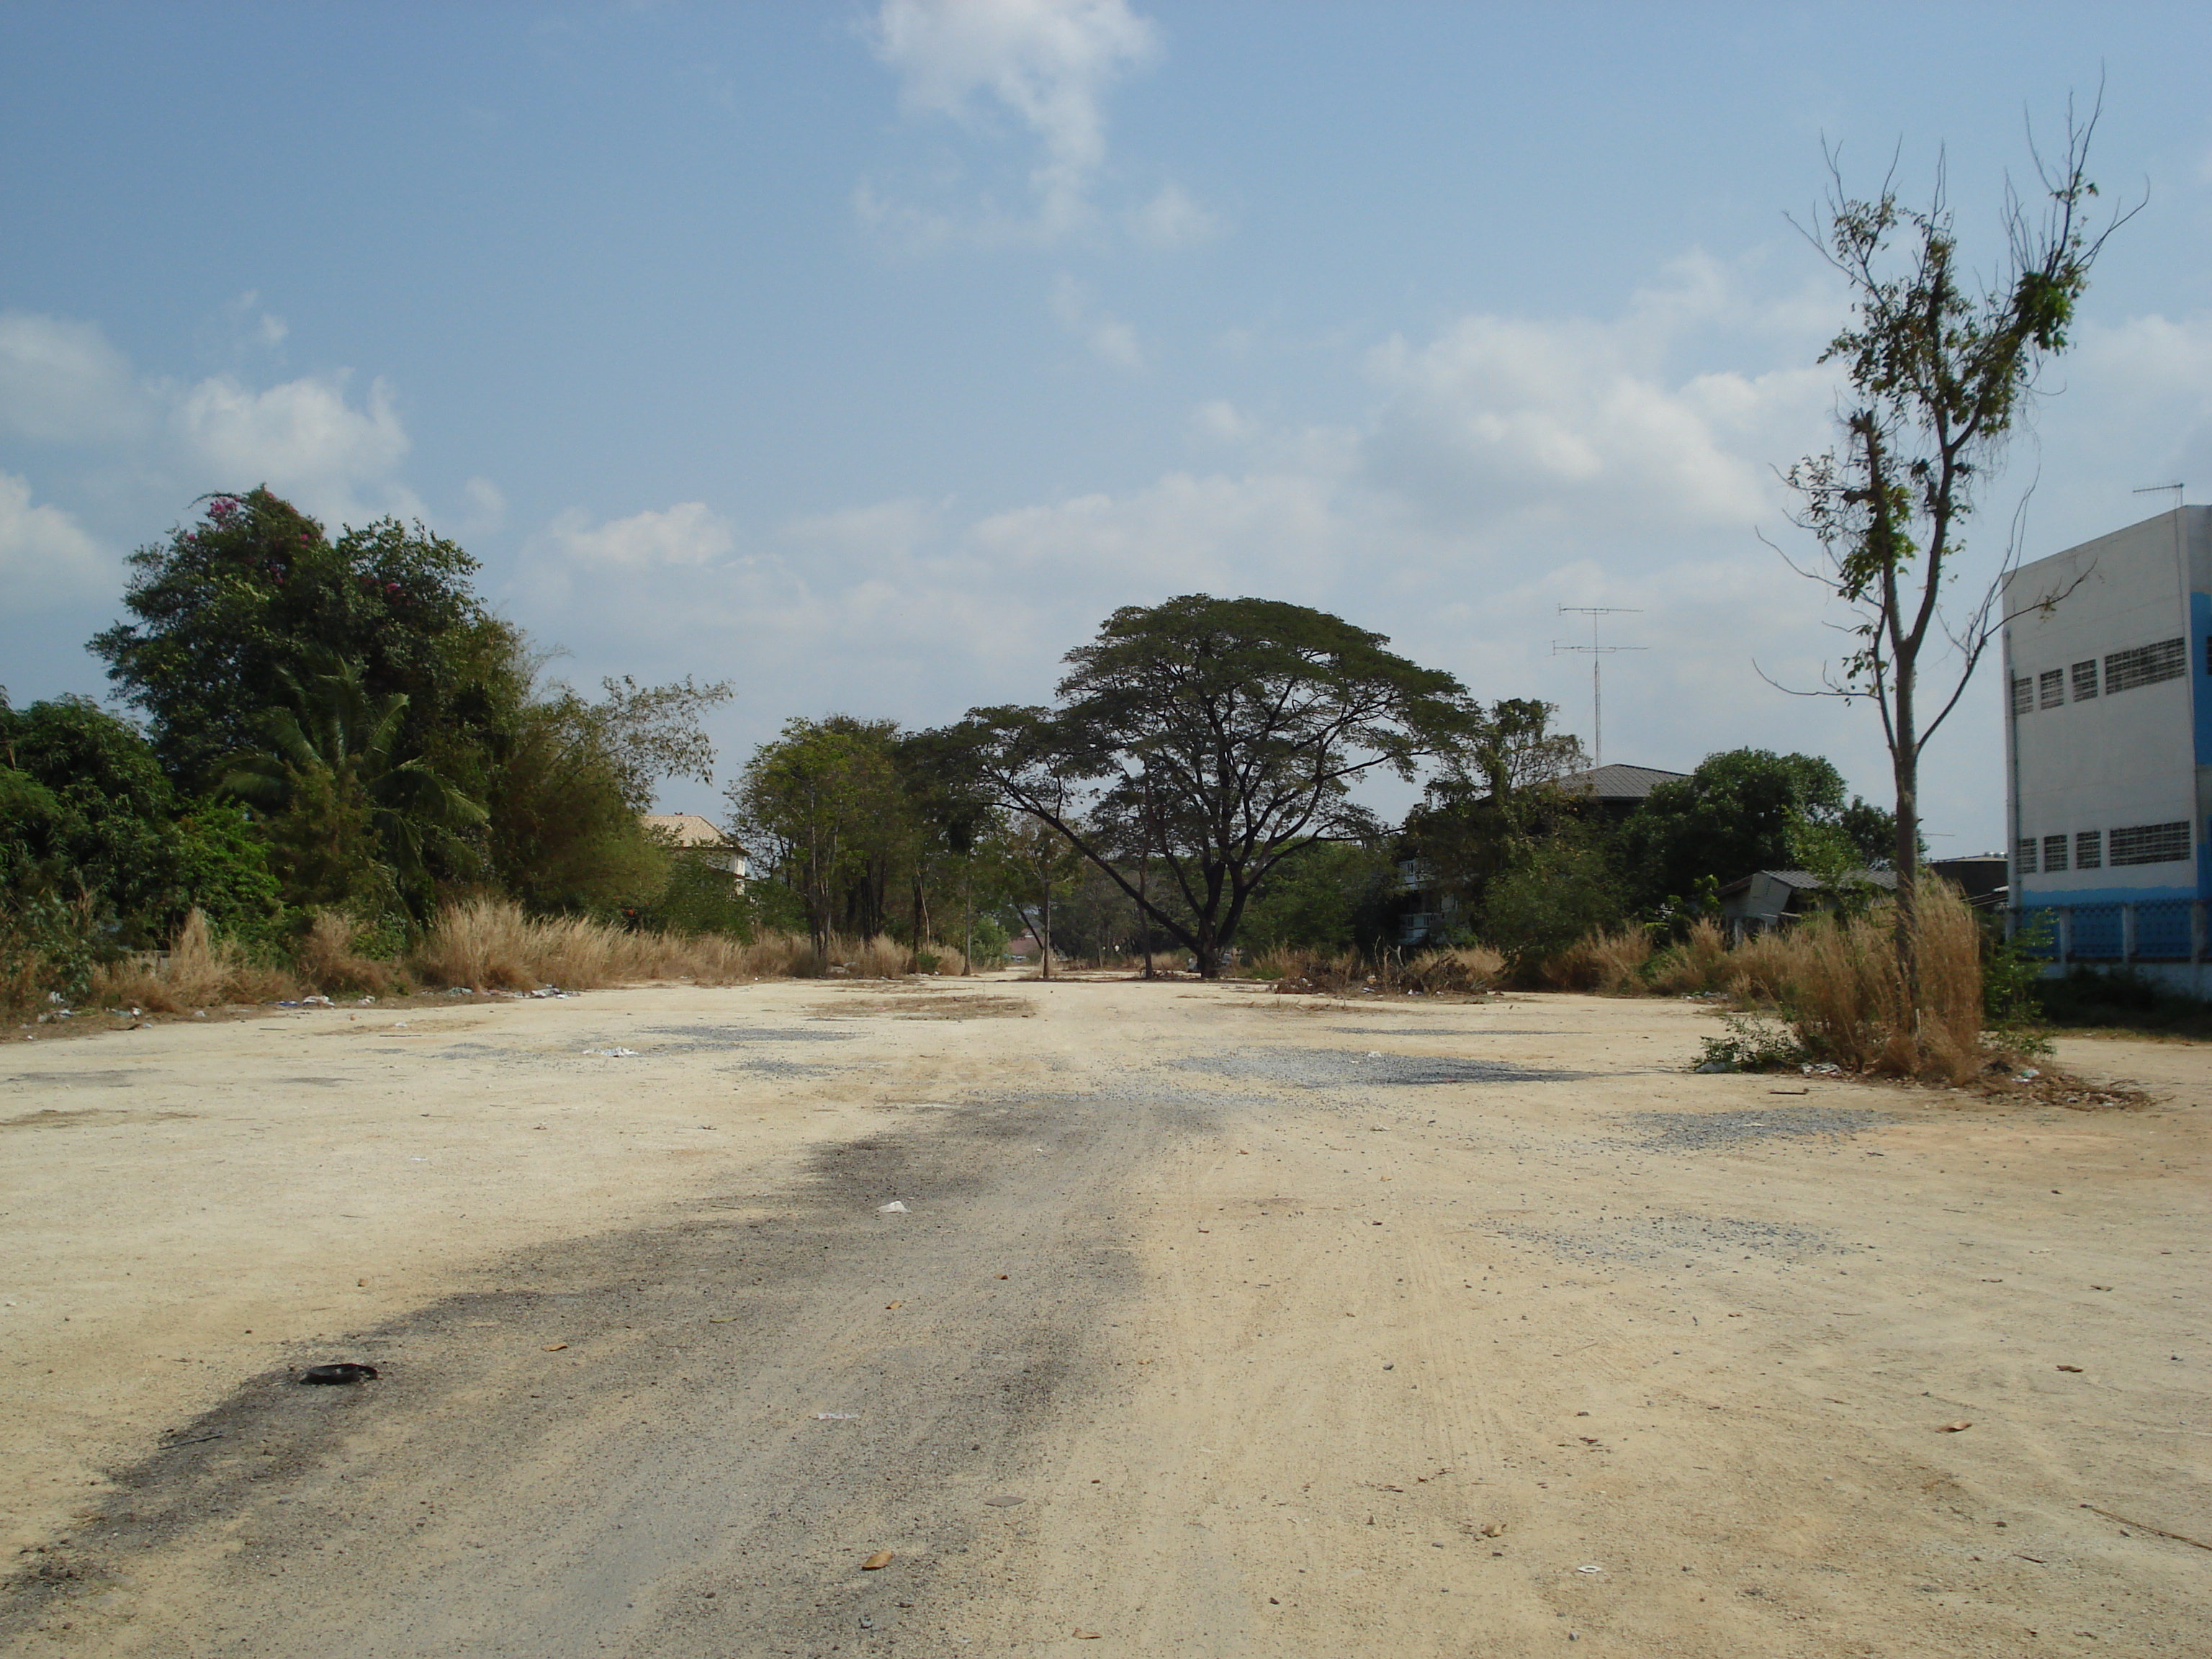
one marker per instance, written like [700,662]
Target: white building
[2108,670]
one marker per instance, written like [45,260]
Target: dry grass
[490,945]
[1840,987]
[1609,962]
[1467,970]
[199,971]
[1835,982]
[326,959]
[1699,963]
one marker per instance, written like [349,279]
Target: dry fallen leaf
[888,1306]
[555,1347]
[1087,1636]
[2070,1368]
[880,1559]
[1954,1428]
[1493,1529]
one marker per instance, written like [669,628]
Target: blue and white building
[2108,671]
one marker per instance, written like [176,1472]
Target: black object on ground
[344,1372]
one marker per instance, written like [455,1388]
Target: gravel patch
[1698,1132]
[1655,1238]
[1340,1068]
[733,1037]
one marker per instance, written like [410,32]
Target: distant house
[1427,912]
[1767,899]
[696,837]
[1617,790]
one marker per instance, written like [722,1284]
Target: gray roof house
[1765,899]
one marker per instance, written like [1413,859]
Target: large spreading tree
[1217,740]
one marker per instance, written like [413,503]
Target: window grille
[2150,843]
[2023,856]
[2054,854]
[2147,665]
[2053,687]
[2089,849]
[2085,679]
[2023,695]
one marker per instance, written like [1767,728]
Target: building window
[2023,857]
[2054,854]
[2150,843]
[2089,849]
[2147,665]
[2085,680]
[2053,687]
[2023,695]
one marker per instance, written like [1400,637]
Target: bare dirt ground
[1216,1322]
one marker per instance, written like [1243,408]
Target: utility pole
[1597,654]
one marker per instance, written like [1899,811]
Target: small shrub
[1753,1044]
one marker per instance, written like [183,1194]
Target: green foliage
[255,591]
[1220,738]
[1322,900]
[1753,1044]
[223,870]
[1493,798]
[1562,892]
[352,826]
[1742,811]
[700,897]
[825,811]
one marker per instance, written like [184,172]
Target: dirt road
[1214,1322]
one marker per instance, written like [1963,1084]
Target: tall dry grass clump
[1466,969]
[326,958]
[199,971]
[1696,962]
[1463,968]
[1610,962]
[1838,985]
[490,945]
[485,945]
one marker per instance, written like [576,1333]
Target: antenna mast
[1597,654]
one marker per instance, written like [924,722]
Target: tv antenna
[1597,654]
[2159,489]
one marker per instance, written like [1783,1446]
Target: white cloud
[46,558]
[484,508]
[1046,61]
[302,439]
[1171,220]
[1108,337]
[688,533]
[1579,419]
[1223,422]
[255,326]
[63,381]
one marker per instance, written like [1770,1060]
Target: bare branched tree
[1941,366]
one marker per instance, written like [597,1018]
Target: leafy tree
[1330,898]
[1045,867]
[351,825]
[1220,736]
[824,807]
[1940,367]
[1740,811]
[1562,890]
[254,590]
[1491,799]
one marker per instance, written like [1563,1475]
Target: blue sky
[868,355]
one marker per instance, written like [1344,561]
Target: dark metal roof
[1806,882]
[1617,781]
